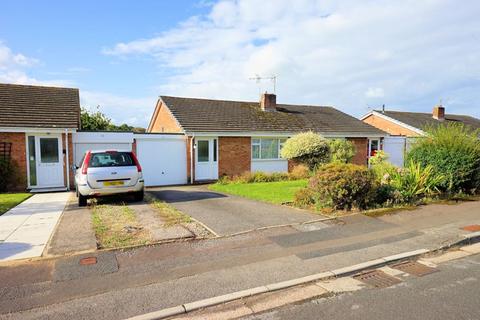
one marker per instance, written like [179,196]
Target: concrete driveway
[226,214]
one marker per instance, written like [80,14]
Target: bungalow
[232,137]
[412,124]
[36,126]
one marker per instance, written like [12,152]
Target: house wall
[388,126]
[70,161]
[18,156]
[190,158]
[234,155]
[164,121]
[361,147]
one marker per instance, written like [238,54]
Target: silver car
[107,172]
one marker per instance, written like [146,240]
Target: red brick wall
[388,126]
[234,155]
[164,121]
[70,161]
[189,158]
[361,147]
[18,156]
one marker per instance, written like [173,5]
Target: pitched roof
[204,115]
[421,120]
[39,107]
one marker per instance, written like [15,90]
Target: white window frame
[258,142]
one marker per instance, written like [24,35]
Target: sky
[354,55]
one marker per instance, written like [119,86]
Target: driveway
[226,214]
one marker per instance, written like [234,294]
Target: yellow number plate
[113,183]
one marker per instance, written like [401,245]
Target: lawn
[10,200]
[274,192]
[117,226]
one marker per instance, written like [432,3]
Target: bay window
[267,148]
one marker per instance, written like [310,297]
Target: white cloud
[375,93]
[406,53]
[14,69]
[121,109]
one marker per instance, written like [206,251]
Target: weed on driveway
[169,214]
[117,226]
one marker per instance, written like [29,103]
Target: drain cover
[377,279]
[472,228]
[413,267]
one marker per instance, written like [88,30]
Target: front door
[46,160]
[206,155]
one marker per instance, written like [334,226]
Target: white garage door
[395,148]
[163,158]
[81,148]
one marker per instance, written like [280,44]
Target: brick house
[232,137]
[36,127]
[412,124]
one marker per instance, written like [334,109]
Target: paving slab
[27,228]
[227,214]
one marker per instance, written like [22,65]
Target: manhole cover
[413,267]
[471,228]
[377,279]
[88,261]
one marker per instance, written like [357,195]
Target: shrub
[8,174]
[342,150]
[340,187]
[453,151]
[300,171]
[415,182]
[308,148]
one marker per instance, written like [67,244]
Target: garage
[163,158]
[84,141]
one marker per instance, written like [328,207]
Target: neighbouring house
[233,137]
[36,127]
[412,124]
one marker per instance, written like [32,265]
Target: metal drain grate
[413,267]
[377,279]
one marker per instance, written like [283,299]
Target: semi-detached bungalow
[36,126]
[413,124]
[233,137]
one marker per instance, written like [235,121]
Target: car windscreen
[111,159]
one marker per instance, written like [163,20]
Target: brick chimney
[439,113]
[268,102]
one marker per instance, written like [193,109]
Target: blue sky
[355,55]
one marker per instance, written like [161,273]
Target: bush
[300,171]
[308,148]
[342,151]
[8,174]
[453,151]
[339,187]
[415,182]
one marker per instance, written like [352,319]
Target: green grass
[169,214]
[117,226]
[274,192]
[10,200]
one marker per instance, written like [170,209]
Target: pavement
[126,283]
[228,214]
[450,293]
[74,232]
[26,229]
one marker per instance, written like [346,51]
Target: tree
[342,150]
[308,148]
[94,120]
[98,121]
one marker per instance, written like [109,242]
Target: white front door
[206,156]
[48,158]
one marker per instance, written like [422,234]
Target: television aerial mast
[259,79]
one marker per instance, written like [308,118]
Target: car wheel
[82,200]
[139,195]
